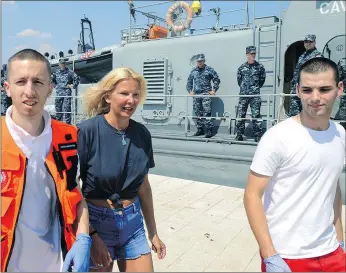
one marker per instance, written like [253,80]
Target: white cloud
[8,2]
[46,35]
[34,33]
[43,48]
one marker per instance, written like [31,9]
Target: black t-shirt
[106,165]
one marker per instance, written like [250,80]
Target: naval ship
[165,50]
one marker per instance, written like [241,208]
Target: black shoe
[257,139]
[343,124]
[199,133]
[239,138]
[209,134]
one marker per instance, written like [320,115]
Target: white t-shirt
[304,166]
[37,244]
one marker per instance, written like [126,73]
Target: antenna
[132,9]
[84,46]
[217,13]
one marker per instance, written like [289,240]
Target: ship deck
[204,227]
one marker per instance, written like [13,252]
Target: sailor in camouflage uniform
[342,107]
[311,52]
[5,100]
[199,83]
[251,76]
[64,79]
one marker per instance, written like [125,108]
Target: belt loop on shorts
[134,206]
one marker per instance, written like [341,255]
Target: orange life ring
[188,21]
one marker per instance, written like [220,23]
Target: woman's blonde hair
[94,98]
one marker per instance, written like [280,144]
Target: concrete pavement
[204,227]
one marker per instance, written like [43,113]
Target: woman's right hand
[99,252]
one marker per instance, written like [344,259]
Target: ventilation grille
[154,72]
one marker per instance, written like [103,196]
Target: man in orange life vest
[44,218]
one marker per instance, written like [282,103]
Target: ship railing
[141,32]
[128,32]
[128,35]
[137,33]
[78,115]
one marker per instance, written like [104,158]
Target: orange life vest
[61,163]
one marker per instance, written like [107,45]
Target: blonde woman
[115,156]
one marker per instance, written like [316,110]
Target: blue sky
[54,26]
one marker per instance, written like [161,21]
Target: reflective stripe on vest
[61,166]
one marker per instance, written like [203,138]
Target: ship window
[335,48]
[155,74]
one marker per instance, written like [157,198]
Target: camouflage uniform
[250,78]
[5,100]
[62,78]
[295,104]
[342,74]
[199,81]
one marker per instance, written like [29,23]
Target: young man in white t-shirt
[297,166]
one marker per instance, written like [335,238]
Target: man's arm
[337,214]
[342,71]
[79,254]
[81,224]
[269,154]
[318,54]
[262,77]
[76,80]
[255,212]
[239,76]
[295,74]
[189,84]
[53,78]
[216,80]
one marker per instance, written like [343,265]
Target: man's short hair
[319,64]
[28,54]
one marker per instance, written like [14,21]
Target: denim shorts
[122,230]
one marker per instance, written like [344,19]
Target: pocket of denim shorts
[134,220]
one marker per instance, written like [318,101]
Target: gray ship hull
[168,111]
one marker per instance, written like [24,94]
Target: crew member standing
[342,106]
[199,83]
[251,76]
[64,80]
[310,52]
[5,100]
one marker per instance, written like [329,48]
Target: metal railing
[78,116]
[128,35]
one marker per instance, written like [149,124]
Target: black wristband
[92,233]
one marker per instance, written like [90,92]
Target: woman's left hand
[158,246]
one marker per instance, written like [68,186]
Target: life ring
[188,21]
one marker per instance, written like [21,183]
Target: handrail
[131,35]
[228,117]
[222,12]
[155,4]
